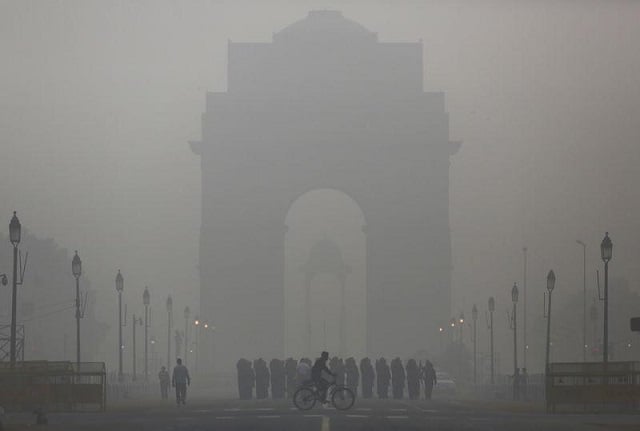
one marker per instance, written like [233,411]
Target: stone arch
[319,275]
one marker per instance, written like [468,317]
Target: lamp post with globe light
[76,269]
[146,300]
[170,321]
[492,308]
[474,316]
[514,320]
[187,315]
[119,289]
[606,251]
[15,229]
[551,283]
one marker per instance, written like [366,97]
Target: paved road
[364,416]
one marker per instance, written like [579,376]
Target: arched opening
[325,276]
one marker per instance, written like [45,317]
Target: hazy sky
[99,98]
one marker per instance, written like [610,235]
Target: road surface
[366,415]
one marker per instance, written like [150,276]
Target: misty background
[99,99]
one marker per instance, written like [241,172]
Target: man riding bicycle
[319,367]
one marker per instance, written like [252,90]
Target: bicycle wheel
[342,398]
[304,398]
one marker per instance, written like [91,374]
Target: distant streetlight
[76,269]
[584,300]
[146,300]
[441,330]
[136,322]
[119,289]
[474,316]
[187,316]
[551,283]
[170,318]
[514,299]
[196,322]
[492,308]
[15,230]
[606,251]
[461,321]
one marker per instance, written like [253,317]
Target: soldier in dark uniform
[353,375]
[340,373]
[290,366]
[240,366]
[384,375]
[413,379]
[277,378]
[429,377]
[398,377]
[334,364]
[366,370]
[262,378]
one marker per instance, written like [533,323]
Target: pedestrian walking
[163,377]
[180,380]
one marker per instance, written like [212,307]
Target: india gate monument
[324,106]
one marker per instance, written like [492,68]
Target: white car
[445,386]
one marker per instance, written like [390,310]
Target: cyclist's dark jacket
[318,367]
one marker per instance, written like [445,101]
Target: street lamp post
[461,321]
[119,289]
[441,330]
[514,319]
[551,283]
[196,322]
[76,269]
[524,311]
[492,308]
[584,300]
[154,353]
[606,251]
[474,315]
[15,229]
[187,315]
[170,318]
[452,323]
[146,300]
[136,322]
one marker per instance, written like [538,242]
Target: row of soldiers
[285,376]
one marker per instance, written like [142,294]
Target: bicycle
[341,397]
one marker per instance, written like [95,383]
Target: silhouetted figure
[384,376]
[246,379]
[353,375]
[413,379]
[290,367]
[164,378]
[340,373]
[303,372]
[277,379]
[180,380]
[262,378]
[398,377]
[318,372]
[366,370]
[429,377]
